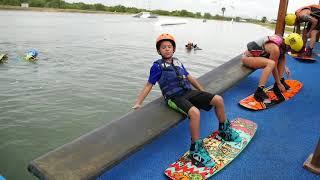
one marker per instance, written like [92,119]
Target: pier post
[313,162]
[280,26]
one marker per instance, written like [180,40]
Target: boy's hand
[136,106]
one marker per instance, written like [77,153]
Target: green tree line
[100,7]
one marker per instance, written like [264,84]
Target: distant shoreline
[273,27]
[41,9]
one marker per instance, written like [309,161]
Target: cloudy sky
[243,8]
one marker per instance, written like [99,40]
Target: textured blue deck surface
[286,135]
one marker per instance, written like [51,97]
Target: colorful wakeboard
[304,58]
[223,152]
[250,103]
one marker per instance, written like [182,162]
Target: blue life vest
[172,81]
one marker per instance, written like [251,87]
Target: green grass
[273,27]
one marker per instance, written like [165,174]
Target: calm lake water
[90,70]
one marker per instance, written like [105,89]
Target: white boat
[145,15]
[168,22]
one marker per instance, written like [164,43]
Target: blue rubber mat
[287,134]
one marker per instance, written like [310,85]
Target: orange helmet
[165,36]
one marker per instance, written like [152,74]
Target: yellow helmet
[295,41]
[290,19]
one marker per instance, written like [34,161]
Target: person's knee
[245,60]
[271,64]
[194,112]
[217,101]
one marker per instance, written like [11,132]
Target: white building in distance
[25,5]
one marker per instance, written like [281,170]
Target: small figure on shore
[311,16]
[269,54]
[32,55]
[175,83]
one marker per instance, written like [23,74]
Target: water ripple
[90,69]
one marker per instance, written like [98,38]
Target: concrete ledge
[91,154]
